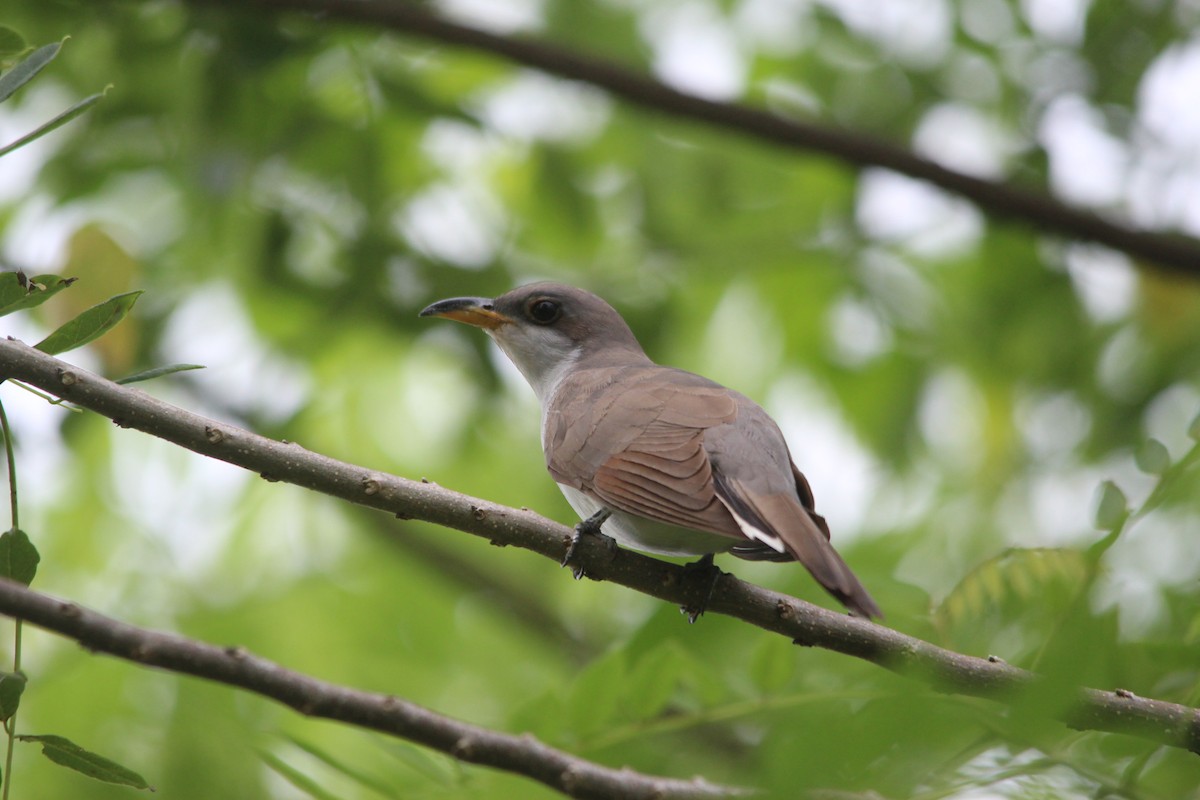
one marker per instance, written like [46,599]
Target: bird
[663,460]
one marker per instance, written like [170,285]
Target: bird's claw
[705,575]
[587,527]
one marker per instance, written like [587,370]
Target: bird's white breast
[646,535]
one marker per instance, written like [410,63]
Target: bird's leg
[587,527]
[704,575]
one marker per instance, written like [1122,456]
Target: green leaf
[18,292]
[595,694]
[22,73]
[1152,457]
[356,774]
[66,753]
[13,287]
[18,557]
[89,325]
[653,682]
[296,778]
[431,765]
[158,372]
[11,43]
[57,122]
[1112,509]
[1194,429]
[1014,579]
[772,665]
[12,685]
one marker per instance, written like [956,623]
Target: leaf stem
[12,467]
[10,724]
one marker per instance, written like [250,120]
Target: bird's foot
[587,527]
[704,576]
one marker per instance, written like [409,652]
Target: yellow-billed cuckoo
[666,461]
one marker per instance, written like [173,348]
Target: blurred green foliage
[289,191]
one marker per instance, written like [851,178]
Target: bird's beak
[477,311]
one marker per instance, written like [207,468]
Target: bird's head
[546,329]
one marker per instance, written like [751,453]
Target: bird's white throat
[541,355]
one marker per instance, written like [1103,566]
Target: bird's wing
[648,460]
[665,475]
[773,503]
[689,452]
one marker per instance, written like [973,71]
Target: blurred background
[290,190]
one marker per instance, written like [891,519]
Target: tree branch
[523,755]
[1118,711]
[1173,253]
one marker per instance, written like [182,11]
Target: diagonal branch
[1170,252]
[523,755]
[1117,711]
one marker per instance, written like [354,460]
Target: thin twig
[1118,711]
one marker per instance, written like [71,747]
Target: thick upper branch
[1174,253]
[1117,711]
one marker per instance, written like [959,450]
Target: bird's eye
[544,311]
